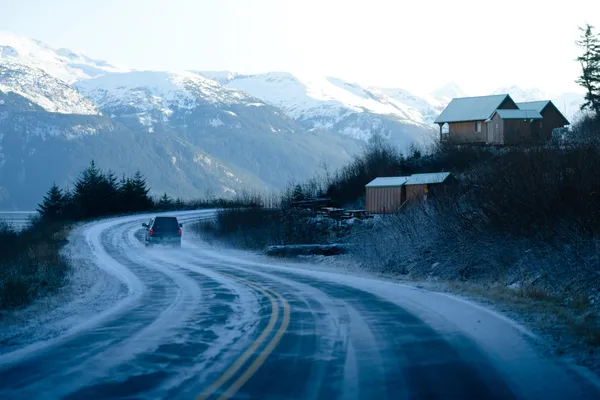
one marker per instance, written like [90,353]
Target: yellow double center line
[259,361]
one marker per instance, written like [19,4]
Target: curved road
[203,323]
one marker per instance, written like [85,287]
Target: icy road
[200,323]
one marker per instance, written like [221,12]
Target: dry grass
[571,328]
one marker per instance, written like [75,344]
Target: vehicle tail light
[179,232]
[151,232]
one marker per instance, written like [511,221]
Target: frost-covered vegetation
[30,263]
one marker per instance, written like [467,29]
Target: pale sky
[417,45]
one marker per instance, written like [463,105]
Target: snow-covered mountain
[44,90]
[226,123]
[153,96]
[334,105]
[520,94]
[66,65]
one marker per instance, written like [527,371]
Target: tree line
[97,193]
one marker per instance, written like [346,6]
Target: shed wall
[415,192]
[385,199]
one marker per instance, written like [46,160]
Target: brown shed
[386,195]
[421,186]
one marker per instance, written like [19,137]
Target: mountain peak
[42,89]
[64,64]
[520,94]
[222,77]
[449,91]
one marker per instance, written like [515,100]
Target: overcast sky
[418,45]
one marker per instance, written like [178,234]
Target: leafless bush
[258,227]
[454,237]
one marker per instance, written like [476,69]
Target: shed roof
[518,114]
[392,181]
[471,108]
[533,105]
[425,179]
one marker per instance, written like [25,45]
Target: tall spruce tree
[589,42]
[53,204]
[141,201]
[89,195]
[165,202]
[126,195]
[109,193]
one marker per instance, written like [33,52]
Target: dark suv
[163,230]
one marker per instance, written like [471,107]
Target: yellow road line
[251,350]
[259,361]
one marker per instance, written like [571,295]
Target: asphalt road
[206,323]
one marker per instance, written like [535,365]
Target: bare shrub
[259,227]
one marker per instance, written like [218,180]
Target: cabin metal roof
[533,105]
[518,114]
[465,109]
[392,181]
[425,179]
[539,106]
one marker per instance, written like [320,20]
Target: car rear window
[165,224]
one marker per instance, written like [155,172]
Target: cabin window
[478,126]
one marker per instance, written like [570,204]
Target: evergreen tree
[165,202]
[109,194]
[140,200]
[590,67]
[179,204]
[86,194]
[96,194]
[298,194]
[52,206]
[127,197]
[69,211]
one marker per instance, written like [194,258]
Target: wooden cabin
[498,120]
